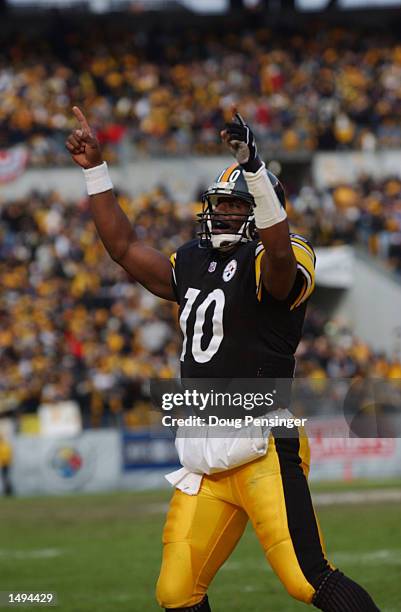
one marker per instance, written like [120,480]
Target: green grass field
[101,553]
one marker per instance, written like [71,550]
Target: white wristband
[268,209]
[97,179]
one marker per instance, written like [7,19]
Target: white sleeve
[268,209]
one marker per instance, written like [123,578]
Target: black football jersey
[232,327]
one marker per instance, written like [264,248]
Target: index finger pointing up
[82,119]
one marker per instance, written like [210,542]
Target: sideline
[319,499]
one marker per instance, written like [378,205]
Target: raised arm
[278,265]
[146,265]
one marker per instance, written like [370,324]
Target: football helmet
[230,183]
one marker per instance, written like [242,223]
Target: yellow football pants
[202,530]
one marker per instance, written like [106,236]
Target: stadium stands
[158,92]
[368,212]
[74,326]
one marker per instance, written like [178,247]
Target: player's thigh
[199,534]
[276,496]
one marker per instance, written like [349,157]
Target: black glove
[242,144]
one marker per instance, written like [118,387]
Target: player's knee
[175,593]
[172,594]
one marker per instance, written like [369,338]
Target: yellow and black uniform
[232,327]
[5,465]
[201,531]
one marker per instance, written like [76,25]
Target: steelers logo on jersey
[230,270]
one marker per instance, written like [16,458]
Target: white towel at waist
[208,454]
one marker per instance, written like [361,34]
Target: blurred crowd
[74,326]
[367,212]
[169,91]
[330,349]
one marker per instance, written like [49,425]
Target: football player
[242,299]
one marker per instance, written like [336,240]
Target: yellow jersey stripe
[258,275]
[303,257]
[259,248]
[305,263]
[173,258]
[308,287]
[303,243]
[297,248]
[301,295]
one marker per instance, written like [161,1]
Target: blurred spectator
[5,465]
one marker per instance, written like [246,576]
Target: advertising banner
[148,450]
[346,458]
[89,462]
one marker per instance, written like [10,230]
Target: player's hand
[82,144]
[239,138]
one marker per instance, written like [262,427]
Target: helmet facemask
[230,183]
[214,221]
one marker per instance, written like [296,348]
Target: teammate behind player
[242,305]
